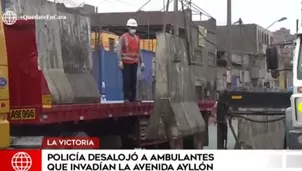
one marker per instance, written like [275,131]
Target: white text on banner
[148,160]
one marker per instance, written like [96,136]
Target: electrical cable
[126,3]
[192,22]
[187,3]
[146,3]
[204,37]
[82,4]
[196,7]
[165,7]
[188,6]
[188,43]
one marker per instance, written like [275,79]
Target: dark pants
[129,81]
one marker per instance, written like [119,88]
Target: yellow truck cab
[4,91]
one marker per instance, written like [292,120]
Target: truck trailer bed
[77,112]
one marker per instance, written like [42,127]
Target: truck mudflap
[260,115]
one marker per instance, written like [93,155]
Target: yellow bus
[4,90]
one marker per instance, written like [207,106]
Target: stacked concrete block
[64,51]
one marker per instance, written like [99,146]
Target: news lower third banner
[149,160]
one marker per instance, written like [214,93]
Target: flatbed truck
[28,115]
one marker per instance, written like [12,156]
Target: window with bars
[197,56]
[211,59]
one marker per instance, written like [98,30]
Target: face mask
[132,31]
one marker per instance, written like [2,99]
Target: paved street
[213,137]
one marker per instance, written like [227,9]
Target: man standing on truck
[129,57]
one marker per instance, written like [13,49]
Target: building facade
[284,40]
[249,42]
[204,58]
[282,35]
[249,38]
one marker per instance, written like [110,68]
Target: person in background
[129,57]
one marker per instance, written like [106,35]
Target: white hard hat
[131,23]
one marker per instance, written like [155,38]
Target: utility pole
[176,27]
[229,48]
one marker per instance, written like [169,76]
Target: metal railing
[249,107]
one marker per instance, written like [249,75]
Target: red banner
[21,160]
[70,143]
